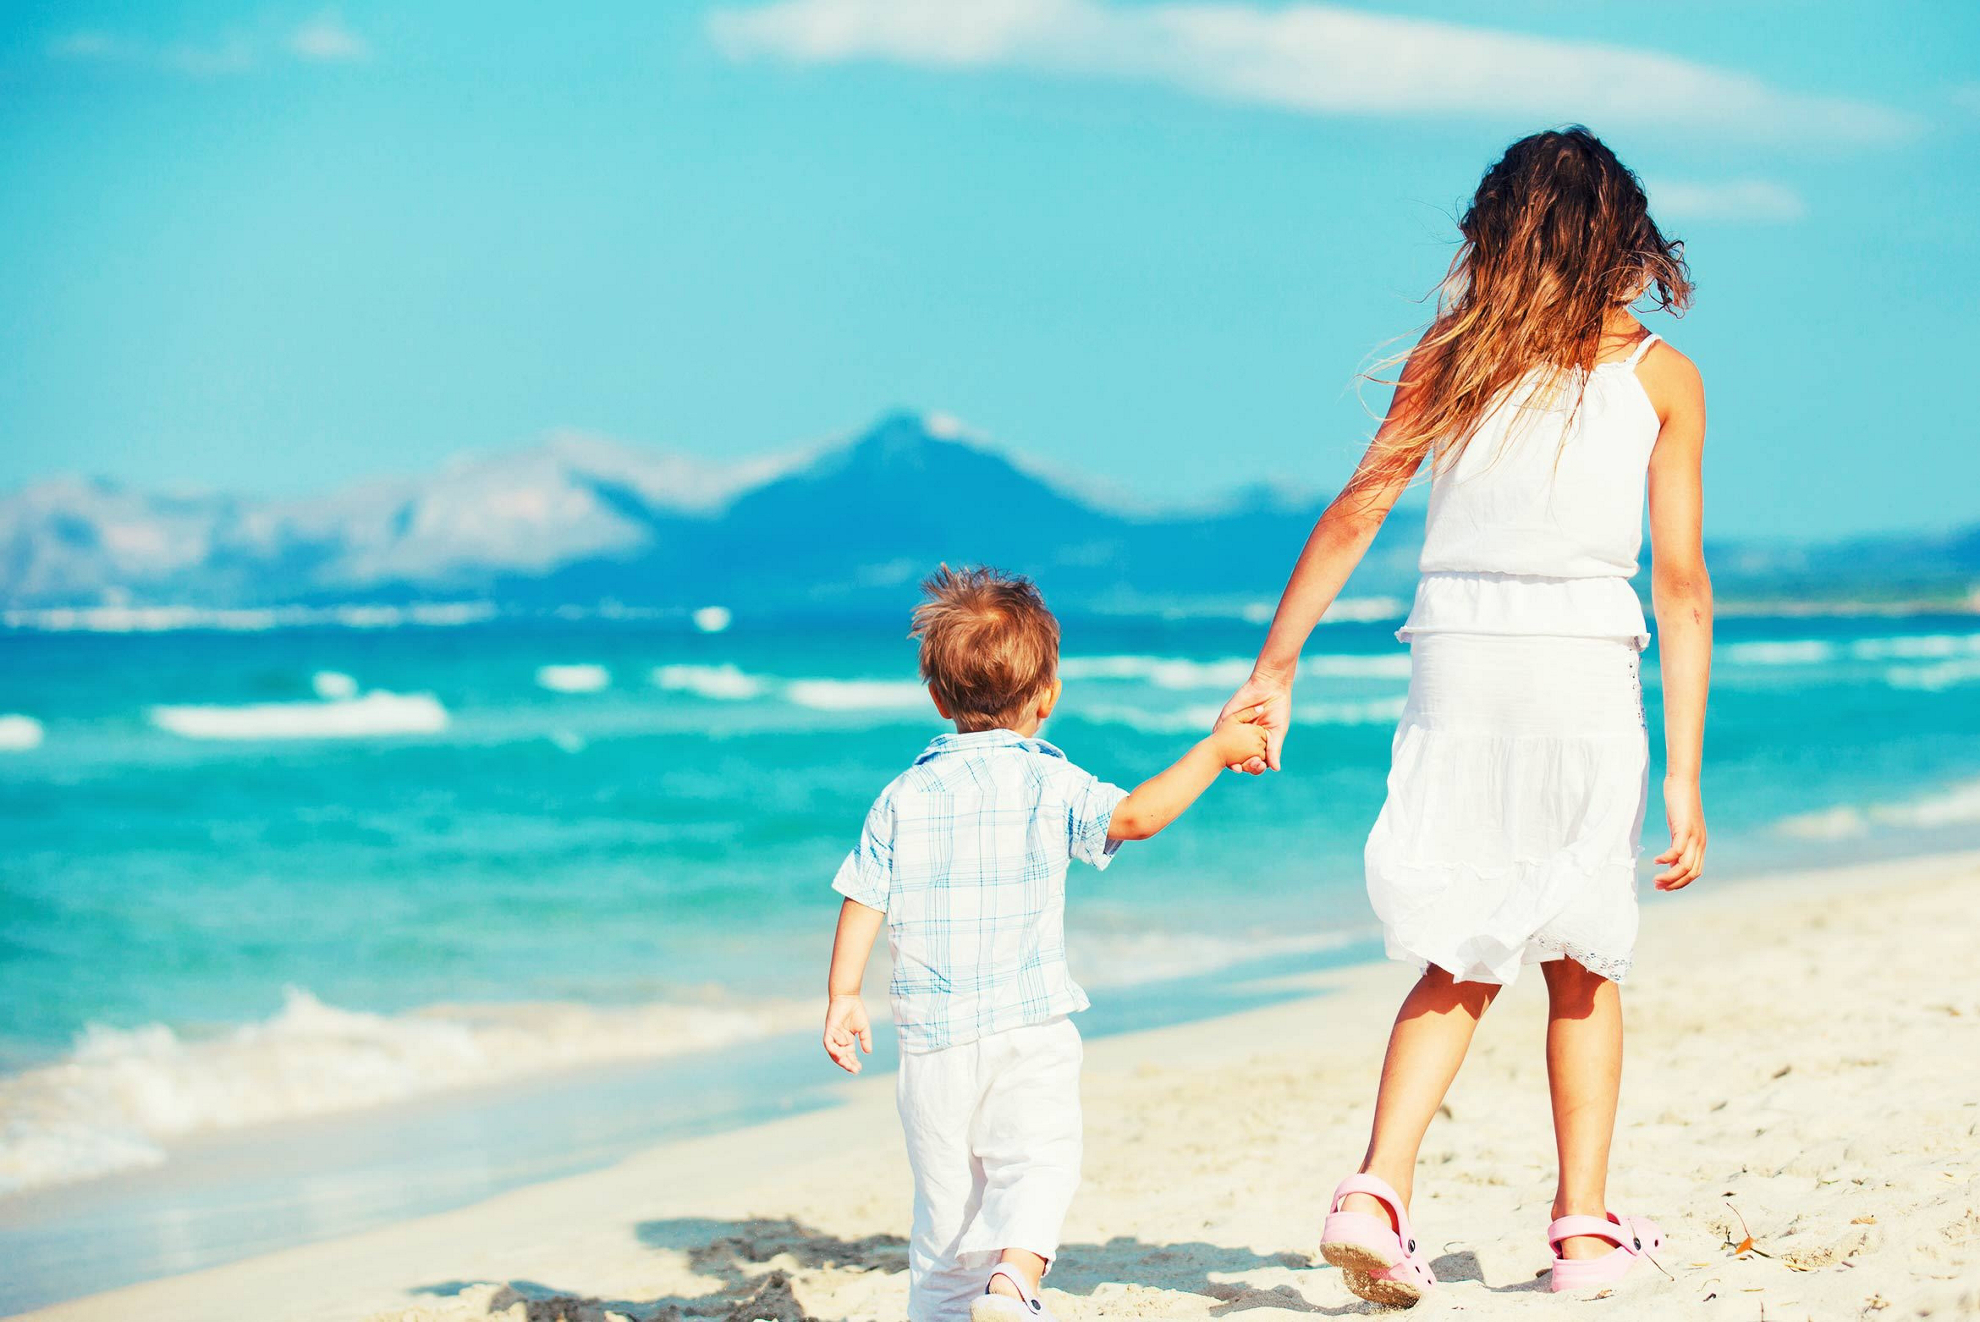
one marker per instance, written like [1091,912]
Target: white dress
[1520,770]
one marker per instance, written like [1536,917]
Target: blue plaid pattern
[966,853]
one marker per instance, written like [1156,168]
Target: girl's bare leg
[1433,1030]
[1584,1078]
[1026,1264]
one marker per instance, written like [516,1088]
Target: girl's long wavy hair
[1557,237]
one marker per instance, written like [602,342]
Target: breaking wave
[1122,959]
[1797,652]
[1936,676]
[857,694]
[724,683]
[1199,717]
[122,1094]
[167,619]
[374,713]
[19,734]
[574,678]
[1955,805]
[1228,672]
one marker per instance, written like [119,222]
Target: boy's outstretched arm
[845,1013]
[1158,801]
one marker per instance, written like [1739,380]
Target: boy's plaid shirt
[966,853]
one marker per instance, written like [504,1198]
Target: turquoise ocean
[273,876]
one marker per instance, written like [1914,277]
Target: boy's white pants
[993,1136]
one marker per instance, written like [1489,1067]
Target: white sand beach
[1804,1068]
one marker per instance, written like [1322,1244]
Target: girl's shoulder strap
[1642,347]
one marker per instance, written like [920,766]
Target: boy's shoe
[991,1307]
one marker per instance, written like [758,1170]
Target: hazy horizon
[1103,494]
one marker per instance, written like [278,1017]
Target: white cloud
[325,38]
[86,46]
[233,55]
[322,39]
[1756,200]
[1314,58]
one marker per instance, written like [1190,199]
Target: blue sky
[280,248]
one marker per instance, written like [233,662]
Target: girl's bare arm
[1682,591]
[1332,550]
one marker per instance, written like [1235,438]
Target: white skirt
[1517,788]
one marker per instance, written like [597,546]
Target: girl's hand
[1275,719]
[1685,812]
[846,1023]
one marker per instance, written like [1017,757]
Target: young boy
[964,859]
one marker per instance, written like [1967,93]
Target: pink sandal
[1381,1263]
[1634,1237]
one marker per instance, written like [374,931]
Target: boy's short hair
[989,646]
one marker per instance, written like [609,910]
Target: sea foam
[1228,672]
[167,619]
[1377,665]
[1927,661]
[19,734]
[1170,720]
[1916,647]
[858,694]
[1936,676]
[1164,672]
[1361,610]
[574,678]
[1794,652]
[728,682]
[1199,717]
[333,685]
[374,713]
[1125,959]
[123,1094]
[1954,805]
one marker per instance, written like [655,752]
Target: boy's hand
[846,1023]
[1242,735]
[1272,693]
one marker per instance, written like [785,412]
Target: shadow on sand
[737,1253]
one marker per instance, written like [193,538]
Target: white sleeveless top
[1537,526]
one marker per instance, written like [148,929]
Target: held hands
[1685,812]
[1264,702]
[1243,735]
[845,1024]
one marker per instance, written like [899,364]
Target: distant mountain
[1924,567]
[479,522]
[582,521]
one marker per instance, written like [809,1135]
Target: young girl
[1520,769]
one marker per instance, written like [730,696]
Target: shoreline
[1757,1069]
[1120,1006]
[229,1194]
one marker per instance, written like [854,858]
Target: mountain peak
[909,430]
[908,442]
